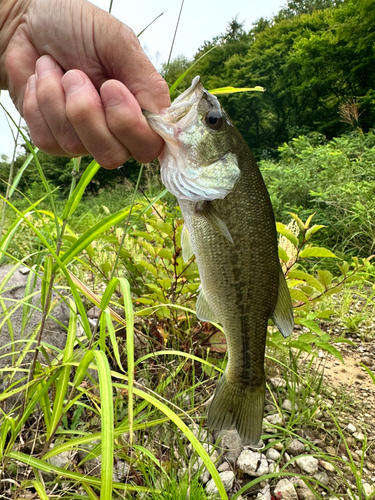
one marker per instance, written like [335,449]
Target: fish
[229,225]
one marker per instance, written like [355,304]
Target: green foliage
[333,178]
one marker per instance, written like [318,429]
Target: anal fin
[282,316]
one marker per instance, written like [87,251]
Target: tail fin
[243,408]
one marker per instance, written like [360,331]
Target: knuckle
[111,160]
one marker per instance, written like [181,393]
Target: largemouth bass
[230,227]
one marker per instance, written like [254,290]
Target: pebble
[322,478]
[273,468]
[227,478]
[368,489]
[278,383]
[60,460]
[287,405]
[275,419]
[296,448]
[327,465]
[285,490]
[350,428]
[265,493]
[223,467]
[254,464]
[232,443]
[308,464]
[273,454]
[359,436]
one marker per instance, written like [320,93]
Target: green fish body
[230,227]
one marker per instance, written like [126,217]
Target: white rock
[272,467]
[285,490]
[60,460]
[350,428]
[227,478]
[322,478]
[253,463]
[296,447]
[327,465]
[275,419]
[278,382]
[368,488]
[308,464]
[231,441]
[359,435]
[288,405]
[223,467]
[272,454]
[265,493]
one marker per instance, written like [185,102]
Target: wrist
[11,14]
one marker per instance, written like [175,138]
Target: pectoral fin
[203,308]
[187,247]
[283,314]
[212,216]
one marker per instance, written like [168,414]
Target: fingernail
[31,84]
[72,81]
[111,94]
[45,65]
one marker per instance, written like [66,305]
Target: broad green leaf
[316,252]
[325,277]
[142,234]
[311,325]
[298,295]
[283,255]
[232,90]
[301,225]
[309,219]
[303,346]
[344,268]
[164,254]
[331,349]
[281,229]
[312,230]
[308,278]
[149,267]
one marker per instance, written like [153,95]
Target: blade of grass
[106,396]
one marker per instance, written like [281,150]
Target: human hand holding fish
[230,227]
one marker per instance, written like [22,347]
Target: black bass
[230,227]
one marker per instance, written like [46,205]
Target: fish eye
[214,120]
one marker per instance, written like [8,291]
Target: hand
[80,78]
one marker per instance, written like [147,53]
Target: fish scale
[231,230]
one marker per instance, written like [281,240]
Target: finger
[127,123]
[40,133]
[51,100]
[85,112]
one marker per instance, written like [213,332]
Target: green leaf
[108,292]
[325,278]
[311,280]
[281,229]
[331,349]
[149,267]
[106,399]
[311,325]
[298,295]
[301,225]
[77,194]
[316,252]
[312,231]
[164,253]
[232,90]
[283,255]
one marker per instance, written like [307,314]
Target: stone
[232,443]
[223,467]
[285,490]
[305,494]
[367,488]
[322,478]
[227,478]
[278,383]
[61,460]
[287,405]
[275,419]
[359,436]
[308,464]
[328,466]
[350,428]
[273,454]
[254,464]
[273,468]
[265,493]
[296,448]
